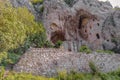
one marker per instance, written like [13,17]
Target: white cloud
[113,2]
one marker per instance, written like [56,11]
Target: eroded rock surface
[50,61]
[82,22]
[111,31]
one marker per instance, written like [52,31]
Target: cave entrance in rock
[57,35]
[82,21]
[98,36]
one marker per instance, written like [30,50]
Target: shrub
[15,27]
[115,75]
[10,59]
[62,75]
[69,2]
[93,68]
[58,44]
[117,8]
[116,41]
[42,9]
[37,1]
[85,49]
[3,55]
[48,44]
[20,76]
[38,40]
[17,33]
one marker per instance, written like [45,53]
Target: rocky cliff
[78,22]
[83,22]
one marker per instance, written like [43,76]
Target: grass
[85,49]
[105,51]
[94,75]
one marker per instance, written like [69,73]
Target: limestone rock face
[111,31]
[76,25]
[48,62]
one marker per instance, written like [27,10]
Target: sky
[113,2]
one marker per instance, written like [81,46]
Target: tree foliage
[37,1]
[16,24]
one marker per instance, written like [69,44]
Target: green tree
[16,24]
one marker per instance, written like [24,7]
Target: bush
[85,49]
[10,59]
[17,33]
[93,68]
[115,75]
[42,9]
[69,2]
[37,1]
[37,40]
[3,55]
[48,44]
[15,27]
[20,76]
[58,44]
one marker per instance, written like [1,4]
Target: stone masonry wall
[48,62]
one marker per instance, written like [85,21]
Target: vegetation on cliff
[18,31]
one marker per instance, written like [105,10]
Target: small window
[98,36]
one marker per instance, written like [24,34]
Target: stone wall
[48,62]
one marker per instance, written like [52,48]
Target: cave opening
[98,36]
[57,35]
[98,24]
[80,23]
[81,19]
